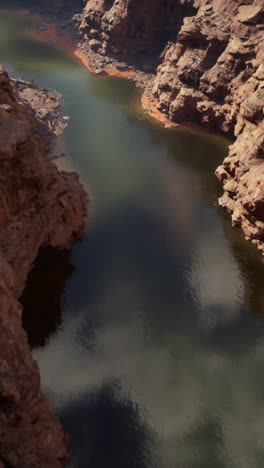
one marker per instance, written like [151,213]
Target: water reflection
[110,431]
[250,265]
[176,144]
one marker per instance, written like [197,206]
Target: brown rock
[125,26]
[38,206]
[250,13]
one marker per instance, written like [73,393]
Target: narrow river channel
[149,333]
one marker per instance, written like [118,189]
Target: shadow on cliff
[43,296]
[108,430]
[147,30]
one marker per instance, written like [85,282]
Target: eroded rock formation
[126,27]
[214,74]
[38,206]
[211,72]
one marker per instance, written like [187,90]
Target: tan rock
[250,13]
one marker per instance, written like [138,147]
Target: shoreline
[49,33]
[235,201]
[148,103]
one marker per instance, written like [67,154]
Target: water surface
[149,333]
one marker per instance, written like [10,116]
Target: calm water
[149,333]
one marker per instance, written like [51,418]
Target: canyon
[39,207]
[199,61]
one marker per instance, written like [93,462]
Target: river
[149,332]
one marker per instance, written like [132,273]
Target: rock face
[211,71]
[38,206]
[123,26]
[205,75]
[214,74]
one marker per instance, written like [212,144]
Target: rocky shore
[39,206]
[199,61]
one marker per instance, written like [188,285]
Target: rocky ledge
[200,61]
[38,207]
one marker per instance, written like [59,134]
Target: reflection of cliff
[44,293]
[198,152]
[38,207]
[250,267]
[109,430]
[157,322]
[129,265]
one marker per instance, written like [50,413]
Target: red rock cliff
[214,75]
[130,27]
[211,72]
[38,206]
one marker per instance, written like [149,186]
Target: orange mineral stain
[150,104]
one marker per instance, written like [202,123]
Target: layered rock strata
[38,207]
[211,72]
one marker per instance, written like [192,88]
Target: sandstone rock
[250,13]
[38,206]
[94,44]
[125,26]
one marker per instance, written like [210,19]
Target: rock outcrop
[211,72]
[38,207]
[124,27]
[214,75]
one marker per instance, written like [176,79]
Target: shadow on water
[43,297]
[122,240]
[208,436]
[250,264]
[109,430]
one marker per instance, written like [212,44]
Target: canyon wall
[38,207]
[130,28]
[210,71]
[214,75]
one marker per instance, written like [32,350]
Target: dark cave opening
[43,296]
